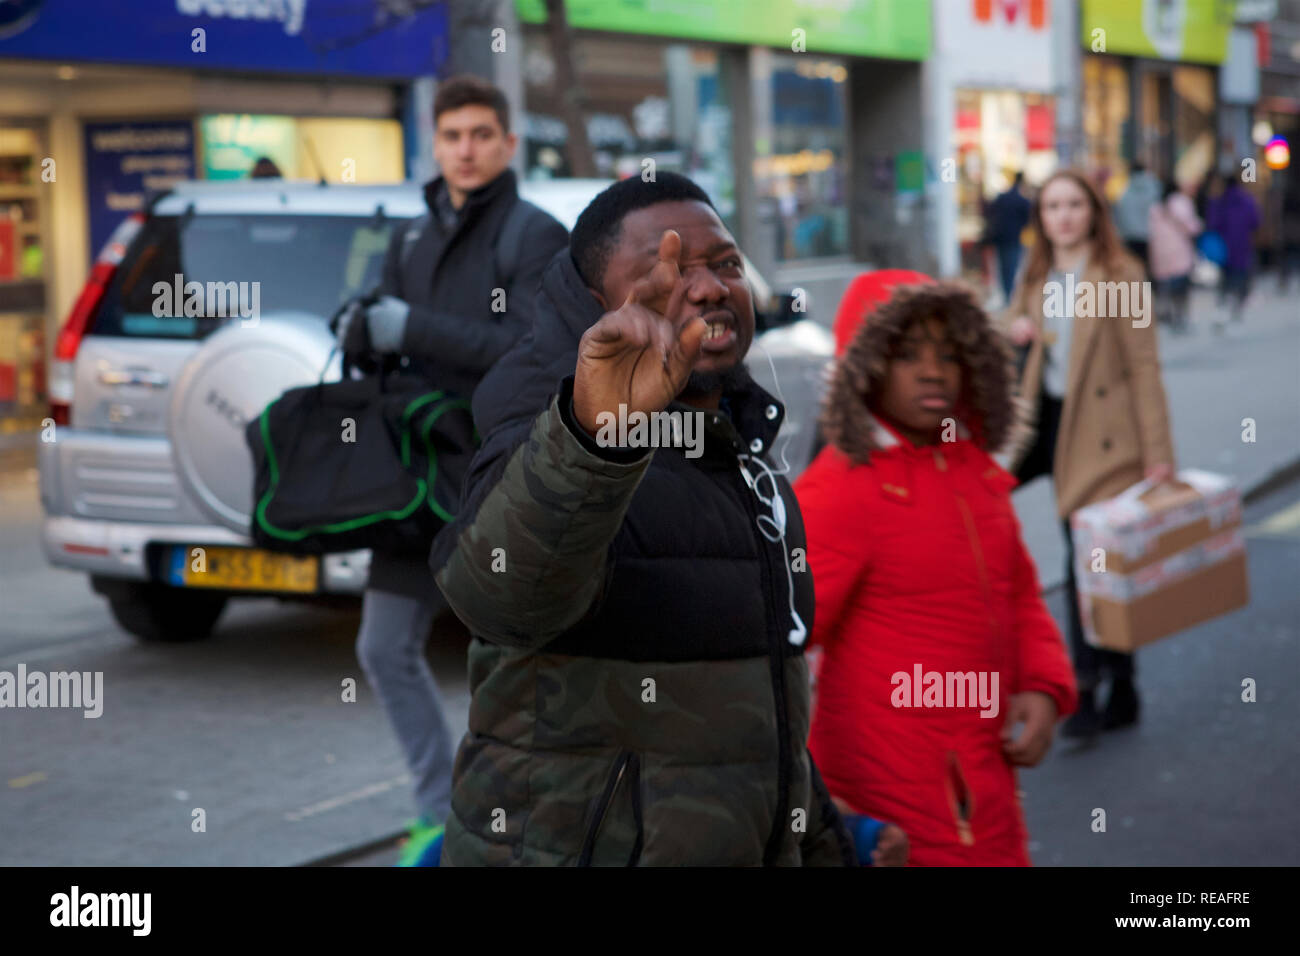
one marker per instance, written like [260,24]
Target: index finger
[663,277]
[670,247]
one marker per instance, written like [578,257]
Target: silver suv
[145,479]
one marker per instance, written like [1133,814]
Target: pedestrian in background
[441,276]
[1006,219]
[918,567]
[1133,211]
[1174,227]
[1092,401]
[265,168]
[864,292]
[1234,215]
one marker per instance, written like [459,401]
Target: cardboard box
[1157,560]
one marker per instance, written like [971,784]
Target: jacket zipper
[606,800]
[960,800]
[972,538]
[963,802]
[777,668]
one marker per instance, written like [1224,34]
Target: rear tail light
[74,329]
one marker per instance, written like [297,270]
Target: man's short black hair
[470,90]
[595,234]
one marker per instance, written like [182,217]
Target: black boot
[1122,706]
[1084,722]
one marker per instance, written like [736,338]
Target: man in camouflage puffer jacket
[640,693]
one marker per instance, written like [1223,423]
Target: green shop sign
[1193,31]
[896,29]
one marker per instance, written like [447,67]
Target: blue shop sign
[334,37]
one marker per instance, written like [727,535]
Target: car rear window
[243,264]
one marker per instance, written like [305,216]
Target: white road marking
[1284,522]
[333,803]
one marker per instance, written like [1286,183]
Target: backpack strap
[507,249]
[509,245]
[414,230]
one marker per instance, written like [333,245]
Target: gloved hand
[350,330]
[386,323]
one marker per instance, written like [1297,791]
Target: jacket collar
[894,458]
[504,184]
[747,422]
[886,438]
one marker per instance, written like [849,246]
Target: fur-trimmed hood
[985,406]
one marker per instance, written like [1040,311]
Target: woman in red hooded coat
[941,668]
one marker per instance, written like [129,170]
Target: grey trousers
[390,647]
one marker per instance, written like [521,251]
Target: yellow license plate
[247,569]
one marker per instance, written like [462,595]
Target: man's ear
[599,298]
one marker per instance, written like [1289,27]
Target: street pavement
[250,726]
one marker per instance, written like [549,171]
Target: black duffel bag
[376,462]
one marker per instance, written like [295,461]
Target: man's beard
[700,384]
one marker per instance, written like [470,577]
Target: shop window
[999,133]
[666,102]
[333,149]
[1177,133]
[804,172]
[1107,122]
[23,210]
[1193,122]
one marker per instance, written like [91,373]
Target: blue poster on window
[127,161]
[375,38]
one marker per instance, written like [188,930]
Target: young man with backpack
[458,291]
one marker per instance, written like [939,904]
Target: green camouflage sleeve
[533,560]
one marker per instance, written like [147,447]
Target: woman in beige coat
[1092,401]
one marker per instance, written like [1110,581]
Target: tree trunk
[581,162]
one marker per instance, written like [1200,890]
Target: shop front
[1150,88]
[1275,134]
[992,92]
[23,222]
[94,117]
[759,101]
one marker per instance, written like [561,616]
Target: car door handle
[133,376]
